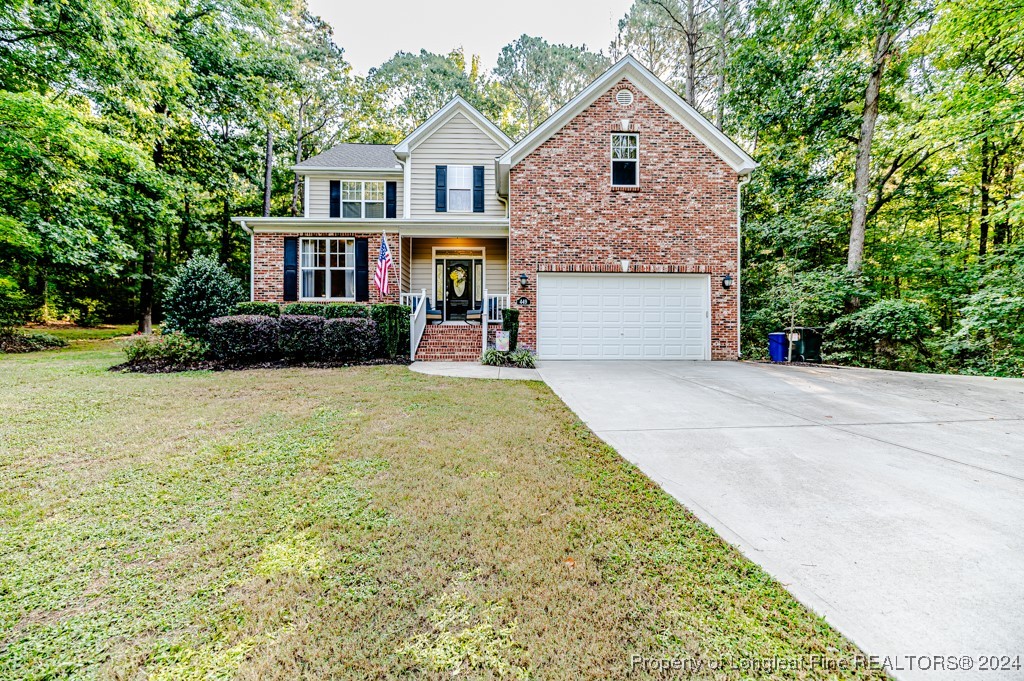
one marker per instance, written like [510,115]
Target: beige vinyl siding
[458,142]
[495,264]
[320,192]
[406,246]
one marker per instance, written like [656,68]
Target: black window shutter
[441,189]
[478,189]
[391,200]
[362,269]
[291,268]
[335,198]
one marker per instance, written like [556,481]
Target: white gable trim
[632,70]
[456,105]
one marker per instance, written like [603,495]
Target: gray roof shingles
[347,155]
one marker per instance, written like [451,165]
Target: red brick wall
[566,218]
[268,265]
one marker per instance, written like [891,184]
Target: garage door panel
[622,316]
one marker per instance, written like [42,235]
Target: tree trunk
[268,162]
[1002,238]
[147,292]
[723,18]
[690,62]
[225,234]
[184,231]
[298,159]
[862,168]
[985,197]
[146,289]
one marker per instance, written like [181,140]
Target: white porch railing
[495,303]
[417,322]
[412,298]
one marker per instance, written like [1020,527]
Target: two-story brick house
[613,227]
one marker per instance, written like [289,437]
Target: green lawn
[70,332]
[351,523]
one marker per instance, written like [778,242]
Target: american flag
[380,277]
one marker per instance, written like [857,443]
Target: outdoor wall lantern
[727,281]
[523,279]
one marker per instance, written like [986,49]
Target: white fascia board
[417,226]
[308,170]
[653,87]
[456,105]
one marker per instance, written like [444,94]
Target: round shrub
[266,309]
[200,290]
[245,338]
[301,337]
[174,348]
[351,339]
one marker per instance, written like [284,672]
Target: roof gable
[661,94]
[455,106]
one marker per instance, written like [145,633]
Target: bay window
[327,269]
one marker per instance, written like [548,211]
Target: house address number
[523,301]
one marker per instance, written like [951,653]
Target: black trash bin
[806,343]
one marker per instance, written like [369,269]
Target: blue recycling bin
[777,346]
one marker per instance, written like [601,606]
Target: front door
[458,292]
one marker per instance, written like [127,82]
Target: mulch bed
[165,367]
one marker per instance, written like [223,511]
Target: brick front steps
[449,343]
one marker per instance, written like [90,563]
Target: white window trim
[611,158]
[362,199]
[327,278]
[448,188]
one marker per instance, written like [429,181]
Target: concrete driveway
[892,504]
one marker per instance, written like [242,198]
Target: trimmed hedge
[346,311]
[350,338]
[392,320]
[245,337]
[393,327]
[510,323]
[301,336]
[255,307]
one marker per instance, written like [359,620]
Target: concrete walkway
[474,370]
[893,504]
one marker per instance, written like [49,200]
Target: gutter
[252,260]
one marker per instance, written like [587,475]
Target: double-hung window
[327,269]
[625,159]
[361,199]
[460,189]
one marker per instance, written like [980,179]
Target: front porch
[456,288]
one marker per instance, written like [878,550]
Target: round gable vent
[624,97]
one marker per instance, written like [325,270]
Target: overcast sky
[371,31]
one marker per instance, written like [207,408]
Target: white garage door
[623,316]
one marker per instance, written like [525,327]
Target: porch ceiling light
[727,281]
[523,280]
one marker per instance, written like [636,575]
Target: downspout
[406,180]
[744,179]
[252,260]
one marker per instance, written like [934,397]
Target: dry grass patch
[351,523]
